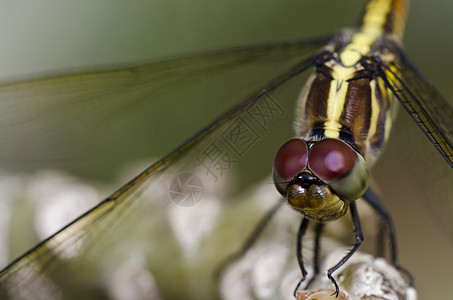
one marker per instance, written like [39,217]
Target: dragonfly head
[320,178]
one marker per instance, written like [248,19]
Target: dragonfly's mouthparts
[314,199]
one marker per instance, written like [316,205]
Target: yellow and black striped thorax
[346,98]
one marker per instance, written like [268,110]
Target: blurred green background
[51,36]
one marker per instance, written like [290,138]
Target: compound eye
[290,159]
[331,159]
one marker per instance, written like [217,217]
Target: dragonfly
[143,196]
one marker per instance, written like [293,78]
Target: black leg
[318,232]
[317,251]
[250,240]
[380,236]
[358,241]
[300,235]
[374,201]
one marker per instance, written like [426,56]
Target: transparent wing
[432,113]
[168,217]
[98,120]
[430,178]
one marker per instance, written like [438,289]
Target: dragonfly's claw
[337,288]
[406,273]
[304,276]
[310,282]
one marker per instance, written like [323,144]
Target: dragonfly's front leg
[357,243]
[300,235]
[316,253]
[372,199]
